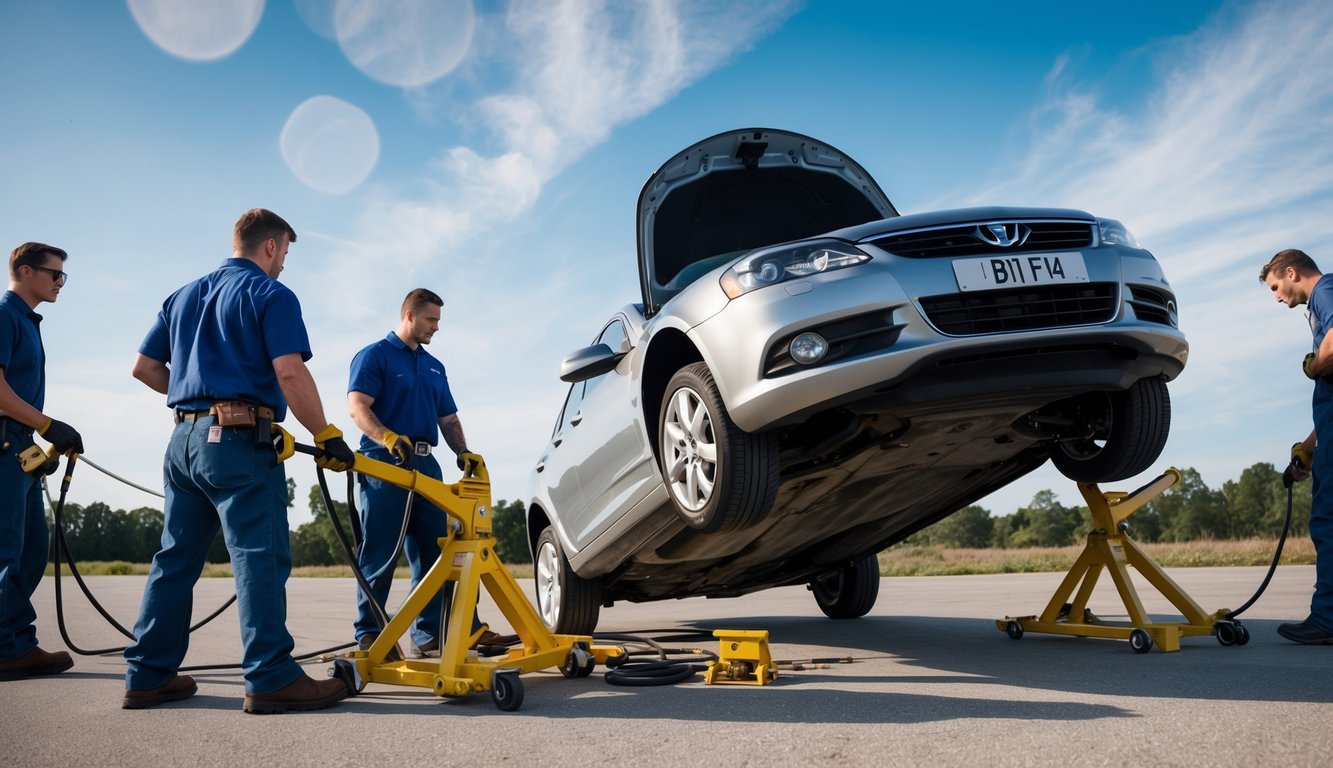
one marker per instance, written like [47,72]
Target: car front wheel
[848,592]
[1125,444]
[720,477]
[567,603]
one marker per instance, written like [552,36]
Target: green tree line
[1251,506]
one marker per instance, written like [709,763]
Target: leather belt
[421,448]
[260,412]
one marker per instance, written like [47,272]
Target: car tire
[848,592]
[1139,426]
[567,603]
[720,477]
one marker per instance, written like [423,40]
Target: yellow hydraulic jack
[467,556]
[1110,547]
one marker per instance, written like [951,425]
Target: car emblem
[1002,235]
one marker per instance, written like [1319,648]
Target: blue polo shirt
[21,352]
[1321,321]
[410,388]
[220,334]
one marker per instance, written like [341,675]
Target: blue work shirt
[1321,320]
[21,352]
[220,334]
[410,389]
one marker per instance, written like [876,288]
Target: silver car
[810,377]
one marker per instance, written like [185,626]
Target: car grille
[1021,309]
[966,239]
[1152,305]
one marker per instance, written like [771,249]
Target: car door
[617,470]
[557,468]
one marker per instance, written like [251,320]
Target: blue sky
[493,151]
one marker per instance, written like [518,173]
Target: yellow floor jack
[467,557]
[1109,547]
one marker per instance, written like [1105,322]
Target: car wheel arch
[668,351]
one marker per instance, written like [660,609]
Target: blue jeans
[1321,519]
[382,507]
[24,545]
[217,476]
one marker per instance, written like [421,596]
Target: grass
[899,560]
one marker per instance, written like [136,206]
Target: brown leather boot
[303,695]
[35,662]
[179,687]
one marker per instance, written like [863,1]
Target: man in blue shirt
[36,274]
[399,397]
[1294,279]
[229,350]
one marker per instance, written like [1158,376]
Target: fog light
[808,348]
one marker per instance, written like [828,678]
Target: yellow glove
[468,462]
[1308,366]
[1301,456]
[334,453]
[399,447]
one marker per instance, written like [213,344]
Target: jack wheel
[506,690]
[1226,633]
[1140,641]
[344,671]
[1014,630]
[579,663]
[1242,634]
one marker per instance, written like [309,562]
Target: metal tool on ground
[468,558]
[742,658]
[1110,548]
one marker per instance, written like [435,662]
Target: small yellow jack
[742,658]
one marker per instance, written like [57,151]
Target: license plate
[995,272]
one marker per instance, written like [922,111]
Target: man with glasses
[228,350]
[1294,279]
[35,276]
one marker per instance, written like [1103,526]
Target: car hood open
[740,190]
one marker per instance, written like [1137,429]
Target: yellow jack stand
[1110,547]
[742,658]
[468,558]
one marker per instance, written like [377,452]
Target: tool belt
[230,413]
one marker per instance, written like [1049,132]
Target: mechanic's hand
[468,462]
[334,453]
[49,468]
[1308,366]
[399,447]
[1299,468]
[64,437]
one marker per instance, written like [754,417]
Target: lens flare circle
[330,145]
[405,43]
[197,30]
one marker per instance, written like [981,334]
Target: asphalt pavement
[931,681]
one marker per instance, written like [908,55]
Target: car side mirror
[589,362]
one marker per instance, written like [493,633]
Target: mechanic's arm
[452,429]
[358,406]
[298,386]
[1322,364]
[17,408]
[154,373]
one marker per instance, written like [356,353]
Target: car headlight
[789,262]
[1115,233]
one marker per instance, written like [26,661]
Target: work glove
[399,447]
[334,453]
[61,435]
[1301,456]
[1308,366]
[468,462]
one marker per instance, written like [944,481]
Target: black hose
[663,669]
[1288,479]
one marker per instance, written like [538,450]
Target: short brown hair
[419,298]
[1288,258]
[257,225]
[32,255]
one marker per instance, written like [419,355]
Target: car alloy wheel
[1139,424]
[566,602]
[719,477]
